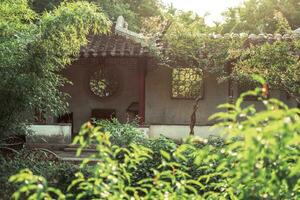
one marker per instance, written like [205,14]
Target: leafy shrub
[114,175]
[124,135]
[259,160]
[265,163]
[59,174]
[121,135]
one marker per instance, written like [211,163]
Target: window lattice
[187,83]
[104,83]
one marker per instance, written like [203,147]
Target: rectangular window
[187,83]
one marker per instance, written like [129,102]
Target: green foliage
[58,174]
[185,41]
[277,63]
[122,135]
[117,178]
[263,16]
[264,163]
[161,143]
[195,48]
[123,173]
[134,11]
[34,187]
[258,160]
[34,48]
[182,38]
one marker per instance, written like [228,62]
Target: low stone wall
[178,132]
[54,134]
[61,133]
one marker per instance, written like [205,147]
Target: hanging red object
[265,90]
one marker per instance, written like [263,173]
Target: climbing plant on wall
[185,41]
[275,57]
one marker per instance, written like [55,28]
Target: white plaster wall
[59,133]
[82,100]
[161,109]
[178,132]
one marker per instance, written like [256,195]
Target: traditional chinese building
[115,76]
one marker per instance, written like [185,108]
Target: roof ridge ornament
[122,30]
[121,22]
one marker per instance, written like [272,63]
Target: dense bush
[258,160]
[121,135]
[58,174]
[265,162]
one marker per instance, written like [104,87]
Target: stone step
[59,147]
[77,160]
[77,145]
[74,149]
[72,154]
[50,146]
[65,152]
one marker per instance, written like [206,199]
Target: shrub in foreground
[58,174]
[259,160]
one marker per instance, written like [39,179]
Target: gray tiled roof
[112,45]
[259,37]
[121,42]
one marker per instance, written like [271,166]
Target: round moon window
[104,83]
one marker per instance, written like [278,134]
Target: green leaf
[165,155]
[259,79]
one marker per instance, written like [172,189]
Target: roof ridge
[121,28]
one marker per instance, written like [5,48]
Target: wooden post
[230,83]
[142,75]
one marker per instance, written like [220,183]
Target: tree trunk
[193,116]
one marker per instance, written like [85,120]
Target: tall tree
[180,37]
[33,49]
[278,63]
[257,16]
[134,11]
